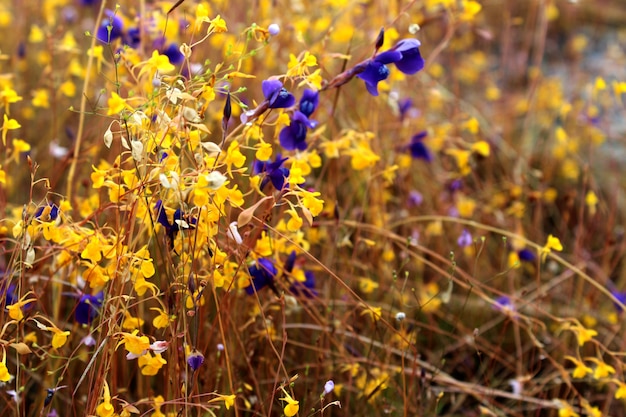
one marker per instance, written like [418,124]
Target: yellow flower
[582,334]
[162,320]
[292,407]
[105,408]
[218,25]
[5,376]
[15,309]
[566,410]
[553,243]
[116,104]
[40,98]
[136,345]
[591,200]
[150,365]
[8,96]
[311,202]
[374,312]
[264,151]
[229,400]
[481,148]
[59,338]
[9,124]
[367,285]
[131,322]
[581,369]
[602,369]
[621,390]
[157,62]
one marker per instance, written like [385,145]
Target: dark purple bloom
[455,185]
[181,221]
[276,95]
[309,102]
[404,106]
[294,136]
[174,54]
[527,255]
[504,303]
[21,50]
[621,297]
[132,38]
[418,149]
[51,215]
[114,23]
[415,198]
[274,172]
[262,274]
[374,73]
[195,360]
[290,262]
[411,61]
[88,307]
[465,239]
[8,293]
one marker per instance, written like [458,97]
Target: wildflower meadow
[312,208]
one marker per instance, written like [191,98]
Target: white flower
[233,233]
[58,151]
[171,182]
[108,137]
[400,316]
[174,95]
[215,180]
[159,346]
[136,150]
[191,115]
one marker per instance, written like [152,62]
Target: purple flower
[621,297]
[174,54]
[114,23]
[504,304]
[290,262]
[309,102]
[465,239]
[262,274]
[411,61]
[195,360]
[527,255]
[88,307]
[181,222]
[132,38]
[294,136]
[51,215]
[276,95]
[274,172]
[415,198]
[374,72]
[8,293]
[418,149]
